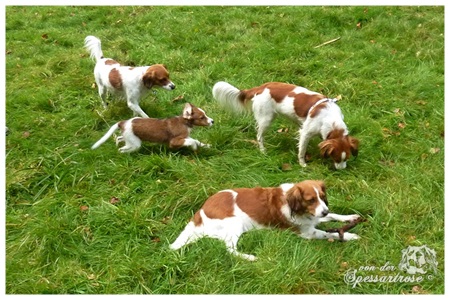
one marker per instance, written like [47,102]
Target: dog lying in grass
[228,214]
[171,131]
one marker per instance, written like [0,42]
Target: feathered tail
[106,136]
[229,96]
[94,46]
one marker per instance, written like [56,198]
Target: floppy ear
[148,79]
[322,186]
[326,147]
[324,190]
[354,144]
[187,111]
[294,198]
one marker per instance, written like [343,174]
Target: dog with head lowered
[171,131]
[315,113]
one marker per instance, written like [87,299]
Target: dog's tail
[94,46]
[106,136]
[230,97]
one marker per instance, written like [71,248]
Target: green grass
[63,236]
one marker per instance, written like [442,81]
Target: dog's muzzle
[170,86]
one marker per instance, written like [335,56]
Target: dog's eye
[310,201]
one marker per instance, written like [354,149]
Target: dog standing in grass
[313,112]
[132,83]
[172,131]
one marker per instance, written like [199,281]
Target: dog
[132,83]
[318,114]
[171,131]
[229,213]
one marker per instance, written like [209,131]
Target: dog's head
[196,116]
[308,197]
[339,149]
[157,75]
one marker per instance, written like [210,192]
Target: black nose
[325,213]
[212,121]
[172,86]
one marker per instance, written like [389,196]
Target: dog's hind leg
[128,148]
[231,243]
[230,234]
[103,93]
[263,113]
[119,139]
[189,235]
[132,142]
[302,145]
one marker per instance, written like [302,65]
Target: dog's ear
[324,190]
[187,111]
[327,147]
[149,78]
[354,144]
[294,199]
[322,186]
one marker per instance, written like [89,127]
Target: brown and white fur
[229,213]
[315,113]
[131,83]
[171,131]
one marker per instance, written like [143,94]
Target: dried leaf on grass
[286,167]
[434,150]
[114,200]
[181,97]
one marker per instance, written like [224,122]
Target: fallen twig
[181,97]
[345,228]
[329,42]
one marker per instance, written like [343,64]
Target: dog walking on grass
[171,131]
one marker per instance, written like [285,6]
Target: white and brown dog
[132,83]
[318,114]
[229,213]
[171,131]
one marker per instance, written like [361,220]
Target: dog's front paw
[348,236]
[262,149]
[302,163]
[206,145]
[352,218]
[248,257]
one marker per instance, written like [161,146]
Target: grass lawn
[66,233]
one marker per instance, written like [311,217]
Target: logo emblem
[418,260]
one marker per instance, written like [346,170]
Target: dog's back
[158,130]
[172,131]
